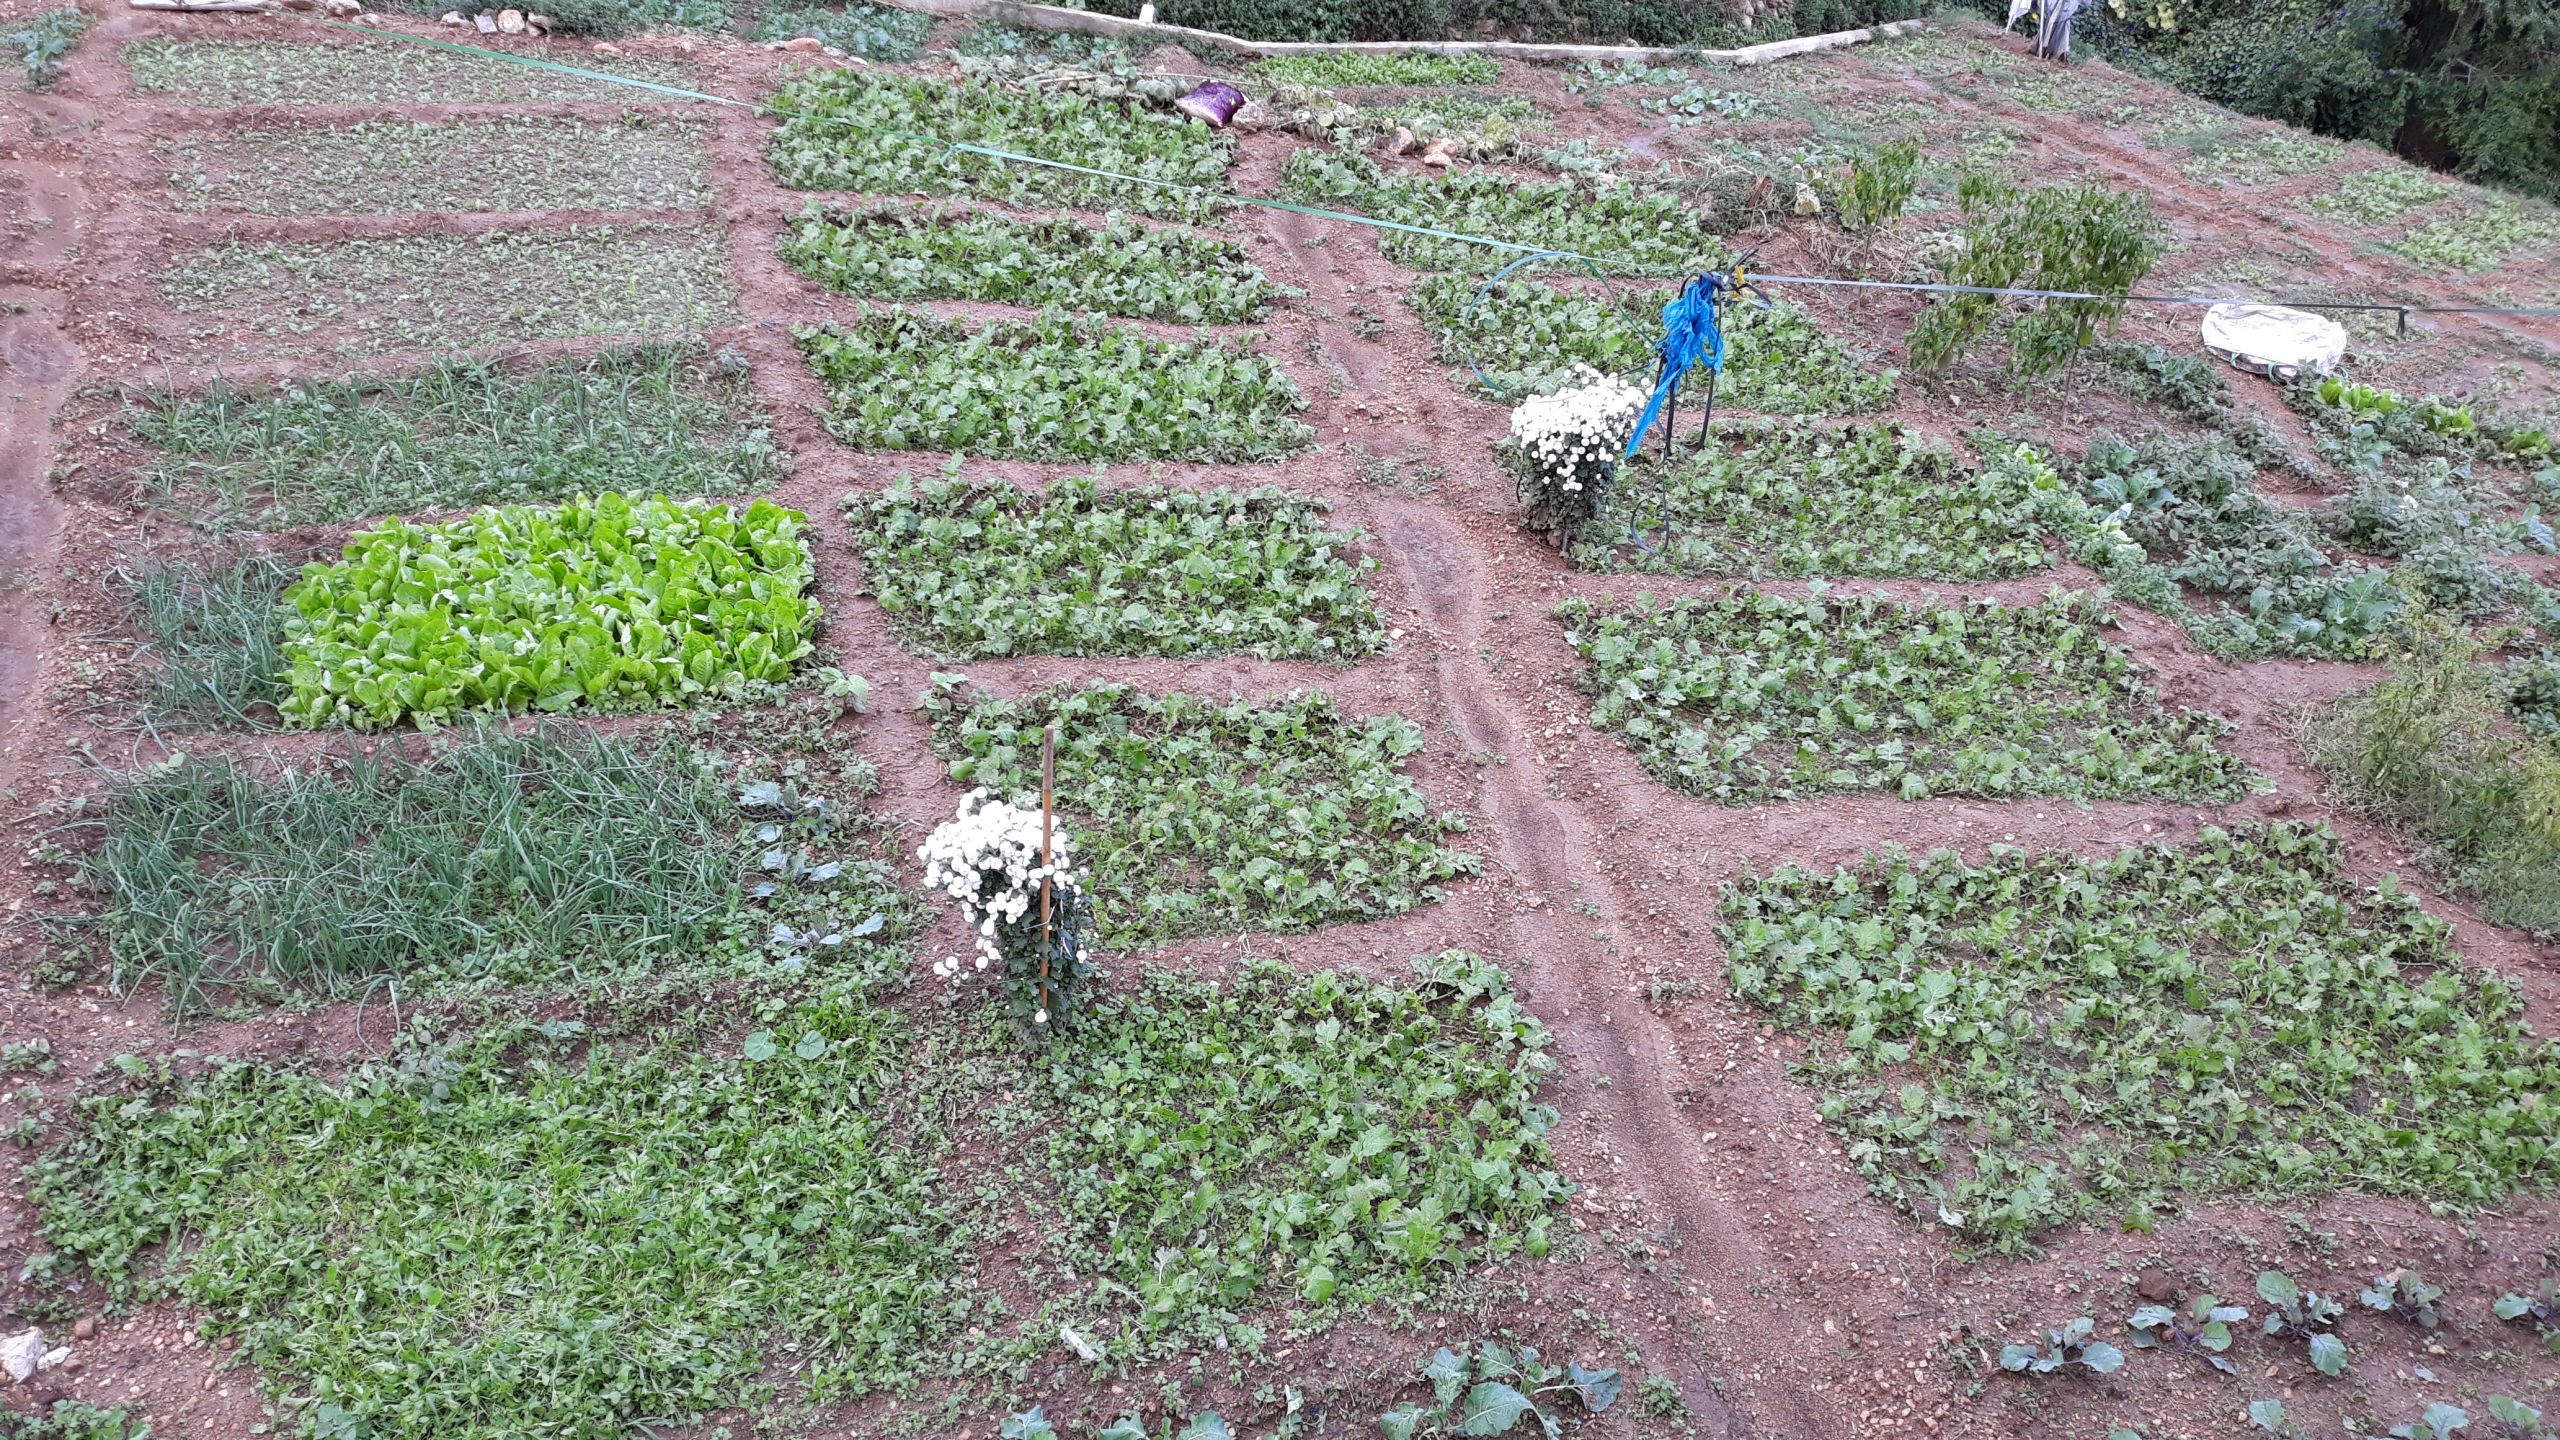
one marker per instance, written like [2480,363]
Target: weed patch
[1856,500]
[966,570]
[233,73]
[1049,389]
[1196,816]
[540,858]
[1351,70]
[1527,337]
[640,162]
[2011,1046]
[1745,696]
[819,147]
[440,293]
[550,1242]
[456,435]
[1348,1140]
[615,601]
[1118,268]
[1646,232]
[2427,748]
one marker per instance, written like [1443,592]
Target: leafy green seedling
[2406,1294]
[1033,1424]
[2292,1310]
[1492,1391]
[2512,1419]
[2204,1330]
[2439,1421]
[2541,1307]
[2069,1344]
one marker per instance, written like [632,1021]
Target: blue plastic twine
[1691,337]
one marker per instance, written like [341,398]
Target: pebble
[511,22]
[20,1354]
[86,1329]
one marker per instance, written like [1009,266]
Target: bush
[2056,237]
[1049,389]
[1880,184]
[2427,748]
[614,601]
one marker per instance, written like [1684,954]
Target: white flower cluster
[1571,434]
[987,858]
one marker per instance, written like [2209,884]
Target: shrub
[2009,1046]
[966,570]
[1745,696]
[497,859]
[613,601]
[1631,230]
[1198,816]
[2057,237]
[2426,748]
[1120,268]
[1818,500]
[1880,184]
[830,139]
[1049,389]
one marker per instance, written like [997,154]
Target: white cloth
[2274,340]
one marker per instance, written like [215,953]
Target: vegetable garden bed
[1049,389]
[1526,336]
[264,72]
[1117,268]
[966,570]
[640,162]
[1198,816]
[2011,1046]
[500,859]
[456,435]
[1634,231]
[615,602]
[652,1225]
[1847,501]
[441,293]
[1745,696]
[889,135]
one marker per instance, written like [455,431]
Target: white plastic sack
[2274,340]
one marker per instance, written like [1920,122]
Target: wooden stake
[1048,802]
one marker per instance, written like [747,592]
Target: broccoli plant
[2406,1294]
[2292,1310]
[1493,1390]
[2070,1344]
[2540,1308]
[2203,1331]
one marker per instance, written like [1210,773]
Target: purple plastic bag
[1215,101]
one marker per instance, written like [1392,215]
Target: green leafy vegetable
[965,570]
[611,601]
[1635,231]
[1118,268]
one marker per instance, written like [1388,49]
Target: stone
[1440,154]
[2156,1286]
[802,43]
[20,1354]
[607,47]
[538,24]
[343,9]
[1401,142]
[511,22]
[55,1356]
[485,23]
[86,1329]
[454,19]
